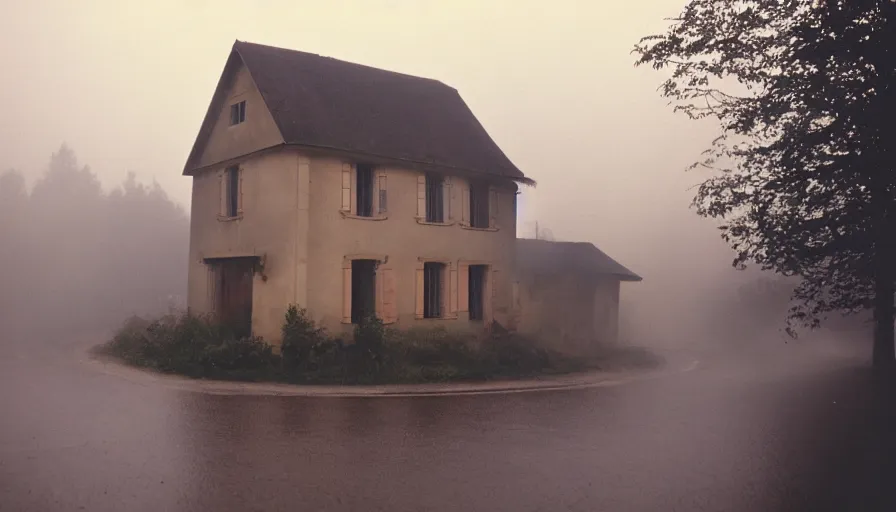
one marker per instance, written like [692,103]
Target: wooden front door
[235,294]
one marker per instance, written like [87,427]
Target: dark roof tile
[328,103]
[578,257]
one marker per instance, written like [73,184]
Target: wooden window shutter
[492,207]
[418,301]
[222,186]
[381,197]
[347,294]
[452,297]
[463,287]
[239,200]
[490,300]
[346,187]
[390,308]
[465,204]
[421,196]
[378,309]
[446,199]
[212,288]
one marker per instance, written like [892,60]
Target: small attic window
[237,113]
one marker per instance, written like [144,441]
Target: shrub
[243,359]
[370,333]
[191,345]
[301,339]
[197,346]
[129,339]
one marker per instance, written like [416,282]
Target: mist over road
[773,427]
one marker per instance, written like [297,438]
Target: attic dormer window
[237,113]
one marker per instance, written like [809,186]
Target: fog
[125,86]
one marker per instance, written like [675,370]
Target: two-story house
[350,191]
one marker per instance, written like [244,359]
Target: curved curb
[113,367]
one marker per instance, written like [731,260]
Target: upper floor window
[231,192]
[435,198]
[479,205]
[363,191]
[237,113]
[365,184]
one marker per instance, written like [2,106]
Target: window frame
[435,199]
[480,195]
[230,199]
[372,265]
[434,283]
[476,308]
[384,285]
[365,190]
[232,207]
[238,113]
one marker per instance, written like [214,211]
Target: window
[433,283]
[232,192]
[381,186]
[476,291]
[435,198]
[479,207]
[363,289]
[237,113]
[365,190]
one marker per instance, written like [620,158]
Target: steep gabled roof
[577,257]
[327,103]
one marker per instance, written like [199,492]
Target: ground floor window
[433,286]
[363,289]
[476,291]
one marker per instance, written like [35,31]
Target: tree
[13,240]
[75,260]
[805,182]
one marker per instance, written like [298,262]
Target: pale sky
[126,83]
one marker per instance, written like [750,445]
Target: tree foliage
[805,181]
[74,258]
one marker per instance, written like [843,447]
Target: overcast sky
[126,84]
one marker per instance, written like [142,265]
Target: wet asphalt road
[738,433]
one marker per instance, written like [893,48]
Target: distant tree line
[75,259]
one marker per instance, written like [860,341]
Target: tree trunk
[883,355]
[884,352]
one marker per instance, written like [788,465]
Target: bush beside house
[198,347]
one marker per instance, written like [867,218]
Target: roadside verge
[599,378]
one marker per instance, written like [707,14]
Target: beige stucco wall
[568,312]
[273,224]
[402,240]
[256,132]
[291,215]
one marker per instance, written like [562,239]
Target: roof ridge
[342,61]
[324,102]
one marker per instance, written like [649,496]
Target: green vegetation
[802,181]
[197,347]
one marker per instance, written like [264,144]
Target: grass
[196,346]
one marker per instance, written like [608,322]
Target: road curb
[112,366]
